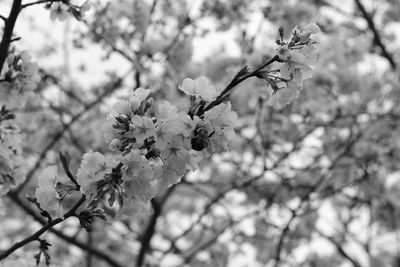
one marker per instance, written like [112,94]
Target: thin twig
[211,240]
[39,2]
[340,249]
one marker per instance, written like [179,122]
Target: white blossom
[199,87]
[46,193]
[93,168]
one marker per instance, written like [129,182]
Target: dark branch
[377,38]
[42,230]
[151,227]
[236,81]
[340,249]
[39,2]
[8,31]
[99,254]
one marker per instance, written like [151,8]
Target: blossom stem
[40,2]
[236,81]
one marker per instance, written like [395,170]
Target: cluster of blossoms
[61,10]
[154,151]
[12,171]
[19,72]
[296,55]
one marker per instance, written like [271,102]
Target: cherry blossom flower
[297,55]
[59,11]
[141,128]
[93,168]
[46,193]
[138,176]
[221,119]
[199,87]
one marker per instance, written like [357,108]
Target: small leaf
[43,249]
[65,159]
[37,257]
[86,217]
[281,32]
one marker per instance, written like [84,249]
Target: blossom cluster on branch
[297,57]
[153,146]
[154,151]
[156,148]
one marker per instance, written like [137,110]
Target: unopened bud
[122,118]
[148,104]
[281,32]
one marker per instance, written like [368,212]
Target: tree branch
[8,31]
[89,260]
[284,233]
[151,227]
[39,2]
[99,254]
[340,249]
[377,38]
[42,230]
[234,83]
